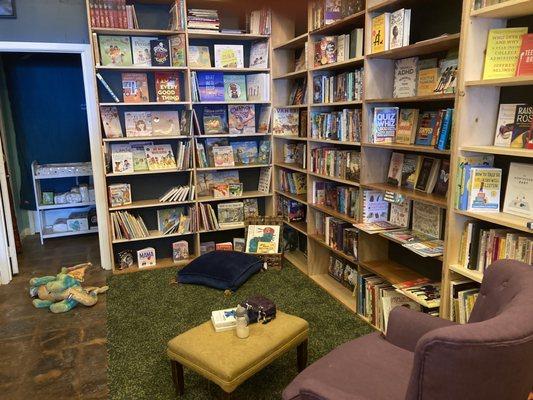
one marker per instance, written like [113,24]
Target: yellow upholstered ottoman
[228,361]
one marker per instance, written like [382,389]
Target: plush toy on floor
[63,292]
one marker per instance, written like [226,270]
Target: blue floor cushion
[221,269]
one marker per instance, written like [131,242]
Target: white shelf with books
[49,234]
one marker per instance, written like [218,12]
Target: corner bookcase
[148,186]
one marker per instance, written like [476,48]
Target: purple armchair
[427,358]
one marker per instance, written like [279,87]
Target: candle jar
[242,329]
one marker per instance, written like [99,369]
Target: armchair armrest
[315,390]
[406,327]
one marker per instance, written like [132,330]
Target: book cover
[400,21]
[139,156]
[250,208]
[441,187]
[140,46]
[522,137]
[239,244]
[263,239]
[503,50]
[285,121]
[525,59]
[257,87]
[427,219]
[264,119]
[380,33]
[259,55]
[210,86]
[332,11]
[215,121]
[160,157]
[138,123]
[165,123]
[168,218]
[519,190]
[241,119]
[119,194]
[229,56]
[121,158]
[447,76]
[400,214]
[146,257]
[394,176]
[230,214]
[244,153]
[385,124]
[484,188]
[235,189]
[167,87]
[210,144]
[405,77]
[375,208]
[263,156]
[426,174]
[160,53]
[177,50]
[207,180]
[234,87]
[264,180]
[199,57]
[428,79]
[407,125]
[223,156]
[220,190]
[135,87]
[115,50]
[505,125]
[110,122]
[328,50]
[410,169]
[180,251]
[426,127]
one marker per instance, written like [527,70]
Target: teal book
[234,87]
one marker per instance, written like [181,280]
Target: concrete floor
[53,356]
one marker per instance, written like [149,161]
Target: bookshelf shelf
[154,235]
[298,225]
[294,43]
[161,263]
[138,68]
[321,242]
[508,9]
[290,166]
[435,45]
[246,195]
[225,36]
[302,198]
[136,32]
[290,137]
[246,70]
[232,167]
[341,25]
[226,228]
[335,289]
[384,6]
[60,206]
[504,151]
[145,138]
[149,204]
[502,82]
[500,218]
[232,135]
[407,147]
[391,271]
[333,213]
[340,142]
[159,171]
[199,103]
[340,65]
[49,235]
[292,75]
[147,103]
[334,179]
[470,274]
[291,106]
[337,103]
[409,193]
[414,99]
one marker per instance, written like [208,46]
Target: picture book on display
[177,50]
[241,119]
[244,153]
[259,55]
[215,121]
[160,53]
[448,76]
[167,87]
[503,50]
[119,194]
[285,121]
[180,251]
[234,87]
[166,123]
[140,46]
[121,158]
[264,119]
[407,126]
[519,190]
[483,185]
[426,128]
[229,56]
[384,124]
[405,77]
[223,156]
[199,57]
[427,219]
[138,123]
[111,122]
[428,174]
[135,87]
[505,125]
[380,33]
[160,157]
[263,239]
[400,214]
[394,176]
[258,87]
[462,163]
[375,208]
[207,180]
[211,86]
[115,50]
[230,214]
[400,23]
[522,136]
[146,257]
[410,170]
[428,77]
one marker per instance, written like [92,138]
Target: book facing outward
[505,125]
[234,87]
[146,257]
[135,87]
[229,56]
[519,191]
[522,136]
[140,47]
[111,122]
[385,124]
[407,125]
[405,77]
[380,33]
[400,24]
[165,123]
[285,121]
[394,176]
[199,57]
[483,188]
[167,87]
[525,59]
[241,119]
[160,53]
[224,320]
[428,174]
[138,123]
[115,50]
[160,157]
[259,55]
[503,51]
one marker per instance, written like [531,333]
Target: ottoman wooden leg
[301,355]
[177,377]
[227,396]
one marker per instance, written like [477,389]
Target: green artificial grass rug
[144,311]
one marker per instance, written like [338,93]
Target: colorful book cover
[251,208]
[180,251]
[160,53]
[264,119]
[522,130]
[234,87]
[484,188]
[519,191]
[146,257]
[119,194]
[285,121]
[503,51]
[259,55]
[199,57]
[220,190]
[257,87]
[464,164]
[167,87]
[447,76]
[407,124]
[405,77]
[241,119]
[229,56]
[211,86]
[505,125]
[138,123]
[160,157]
[167,218]
[223,156]
[263,239]
[165,123]
[428,79]
[264,152]
[380,33]
[139,156]
[400,213]
[375,208]
[177,50]
[111,122]
[332,11]
[140,46]
[230,214]
[115,50]
[210,144]
[525,60]
[244,153]
[385,124]
[121,158]
[207,180]
[427,219]
[394,176]
[426,127]
[215,121]
[235,189]
[135,87]
[410,168]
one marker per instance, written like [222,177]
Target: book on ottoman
[224,320]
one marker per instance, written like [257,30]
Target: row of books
[291,210]
[295,153]
[209,180]
[259,22]
[481,245]
[342,199]
[145,156]
[241,119]
[407,126]
[203,19]
[344,86]
[218,86]
[427,77]
[146,257]
[219,152]
[345,125]
[292,182]
[343,272]
[513,128]
[127,226]
[337,234]
[480,186]
[228,55]
[238,244]
[289,121]
[124,51]
[332,49]
[327,12]
[513,58]
[135,87]
[344,164]
[424,173]
[228,215]
[145,123]
[463,296]
[390,30]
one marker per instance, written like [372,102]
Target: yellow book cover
[380,33]
[503,50]
[427,81]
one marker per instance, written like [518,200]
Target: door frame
[95,135]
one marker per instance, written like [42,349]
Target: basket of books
[263,235]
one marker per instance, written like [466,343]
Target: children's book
[215,121]
[146,257]
[251,208]
[235,189]
[119,194]
[121,158]
[160,53]
[259,55]
[115,50]
[400,213]
[241,119]
[220,190]
[223,156]
[410,169]
[210,144]
[426,128]
[229,56]
[140,46]
[230,214]
[234,87]
[394,177]
[167,87]
[180,251]
[165,123]
[206,180]
[484,185]
[263,239]
[385,124]
[257,87]
[135,87]
[285,121]
[111,122]
[264,119]
[239,244]
[139,155]
[160,157]
[199,57]
[244,153]
[263,156]
[167,218]
[519,191]
[138,123]
[427,219]
[211,86]
[177,50]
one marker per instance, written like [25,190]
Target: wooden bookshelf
[503,151]
[430,46]
[294,43]
[407,147]
[414,99]
[409,193]
[507,9]
[502,82]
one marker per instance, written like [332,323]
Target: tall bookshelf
[148,186]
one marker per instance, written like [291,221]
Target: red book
[224,246]
[525,60]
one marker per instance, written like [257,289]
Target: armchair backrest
[491,357]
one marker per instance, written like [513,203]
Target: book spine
[110,91]
[92,13]
[446,129]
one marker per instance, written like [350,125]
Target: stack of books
[259,22]
[224,320]
[202,20]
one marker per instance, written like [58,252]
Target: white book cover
[259,55]
[258,87]
[140,46]
[375,208]
[111,122]
[224,318]
[397,20]
[138,123]
[341,50]
[229,56]
[505,125]
[427,218]
[405,77]
[121,158]
[146,257]
[519,191]
[359,43]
